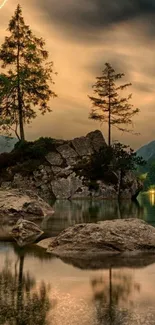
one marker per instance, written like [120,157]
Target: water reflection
[109,295]
[22,301]
[69,213]
[39,290]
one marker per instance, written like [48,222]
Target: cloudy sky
[80,37]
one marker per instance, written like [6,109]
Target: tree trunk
[120,182]
[20,108]
[109,129]
[109,117]
[21,127]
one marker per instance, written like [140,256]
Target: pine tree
[26,83]
[108,105]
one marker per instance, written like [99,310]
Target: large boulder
[54,158]
[82,146]
[108,237]
[97,140]
[65,188]
[130,186]
[15,204]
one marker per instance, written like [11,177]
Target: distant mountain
[7,143]
[147,151]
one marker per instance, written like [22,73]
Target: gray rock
[105,191]
[62,172]
[97,140]
[60,188]
[54,158]
[25,232]
[107,237]
[66,151]
[66,187]
[82,146]
[71,161]
[56,170]
[130,186]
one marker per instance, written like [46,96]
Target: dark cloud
[120,62]
[84,18]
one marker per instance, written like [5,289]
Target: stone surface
[66,151]
[25,232]
[96,139]
[107,237]
[15,204]
[66,187]
[54,158]
[82,146]
[131,186]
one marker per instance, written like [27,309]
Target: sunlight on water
[152,198]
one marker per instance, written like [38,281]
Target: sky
[81,36]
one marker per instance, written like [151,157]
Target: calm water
[38,289]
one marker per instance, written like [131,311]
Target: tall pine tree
[25,85]
[108,105]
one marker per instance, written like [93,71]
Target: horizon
[80,38]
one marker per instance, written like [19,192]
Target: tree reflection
[108,296]
[22,302]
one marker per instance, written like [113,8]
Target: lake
[39,289]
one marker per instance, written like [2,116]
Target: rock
[54,158]
[54,175]
[105,191]
[18,203]
[56,170]
[66,187]
[82,146]
[25,232]
[62,172]
[130,186]
[66,151]
[107,237]
[97,140]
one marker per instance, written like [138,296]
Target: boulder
[97,140]
[64,188]
[112,237]
[66,151]
[54,158]
[131,186]
[26,232]
[18,203]
[82,146]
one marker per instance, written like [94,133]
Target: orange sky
[81,37]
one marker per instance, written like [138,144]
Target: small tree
[26,84]
[108,105]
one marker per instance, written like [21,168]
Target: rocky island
[53,169]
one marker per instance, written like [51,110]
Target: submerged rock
[88,241]
[25,232]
